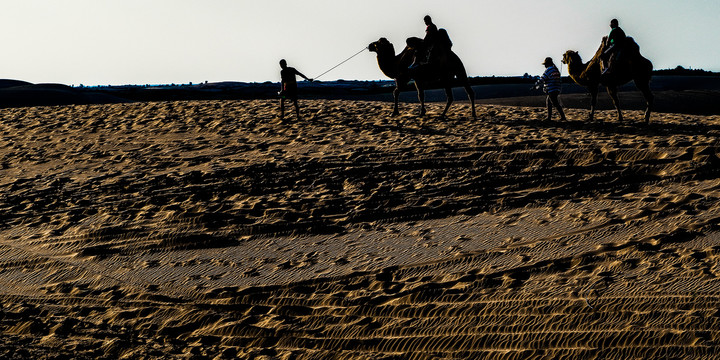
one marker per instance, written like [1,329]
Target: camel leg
[613,92]
[471,96]
[593,102]
[644,87]
[450,99]
[396,97]
[421,97]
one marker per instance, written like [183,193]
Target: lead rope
[344,61]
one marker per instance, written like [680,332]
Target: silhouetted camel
[636,68]
[443,70]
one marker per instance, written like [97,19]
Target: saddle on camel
[618,50]
[617,57]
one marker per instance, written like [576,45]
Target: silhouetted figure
[431,34]
[552,84]
[431,31]
[289,88]
[614,46]
[437,42]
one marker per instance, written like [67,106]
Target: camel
[636,68]
[444,70]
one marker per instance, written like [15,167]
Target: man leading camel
[289,87]
[551,82]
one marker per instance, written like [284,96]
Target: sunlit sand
[213,230]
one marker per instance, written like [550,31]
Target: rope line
[346,60]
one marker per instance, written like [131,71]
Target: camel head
[385,57]
[571,56]
[382,46]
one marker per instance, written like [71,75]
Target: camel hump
[632,46]
[444,39]
[414,42]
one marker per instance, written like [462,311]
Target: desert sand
[210,229]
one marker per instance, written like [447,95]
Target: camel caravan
[431,61]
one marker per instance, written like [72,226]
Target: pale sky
[100,42]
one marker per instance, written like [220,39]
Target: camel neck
[576,68]
[387,63]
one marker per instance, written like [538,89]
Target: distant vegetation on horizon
[680,70]
[475,80]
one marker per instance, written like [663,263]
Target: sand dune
[15,93]
[213,230]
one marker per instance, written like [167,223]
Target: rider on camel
[614,47]
[431,34]
[435,44]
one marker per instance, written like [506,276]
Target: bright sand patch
[211,229]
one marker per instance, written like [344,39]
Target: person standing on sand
[551,82]
[288,90]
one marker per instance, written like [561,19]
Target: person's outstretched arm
[303,76]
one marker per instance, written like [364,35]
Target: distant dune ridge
[14,93]
[209,229]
